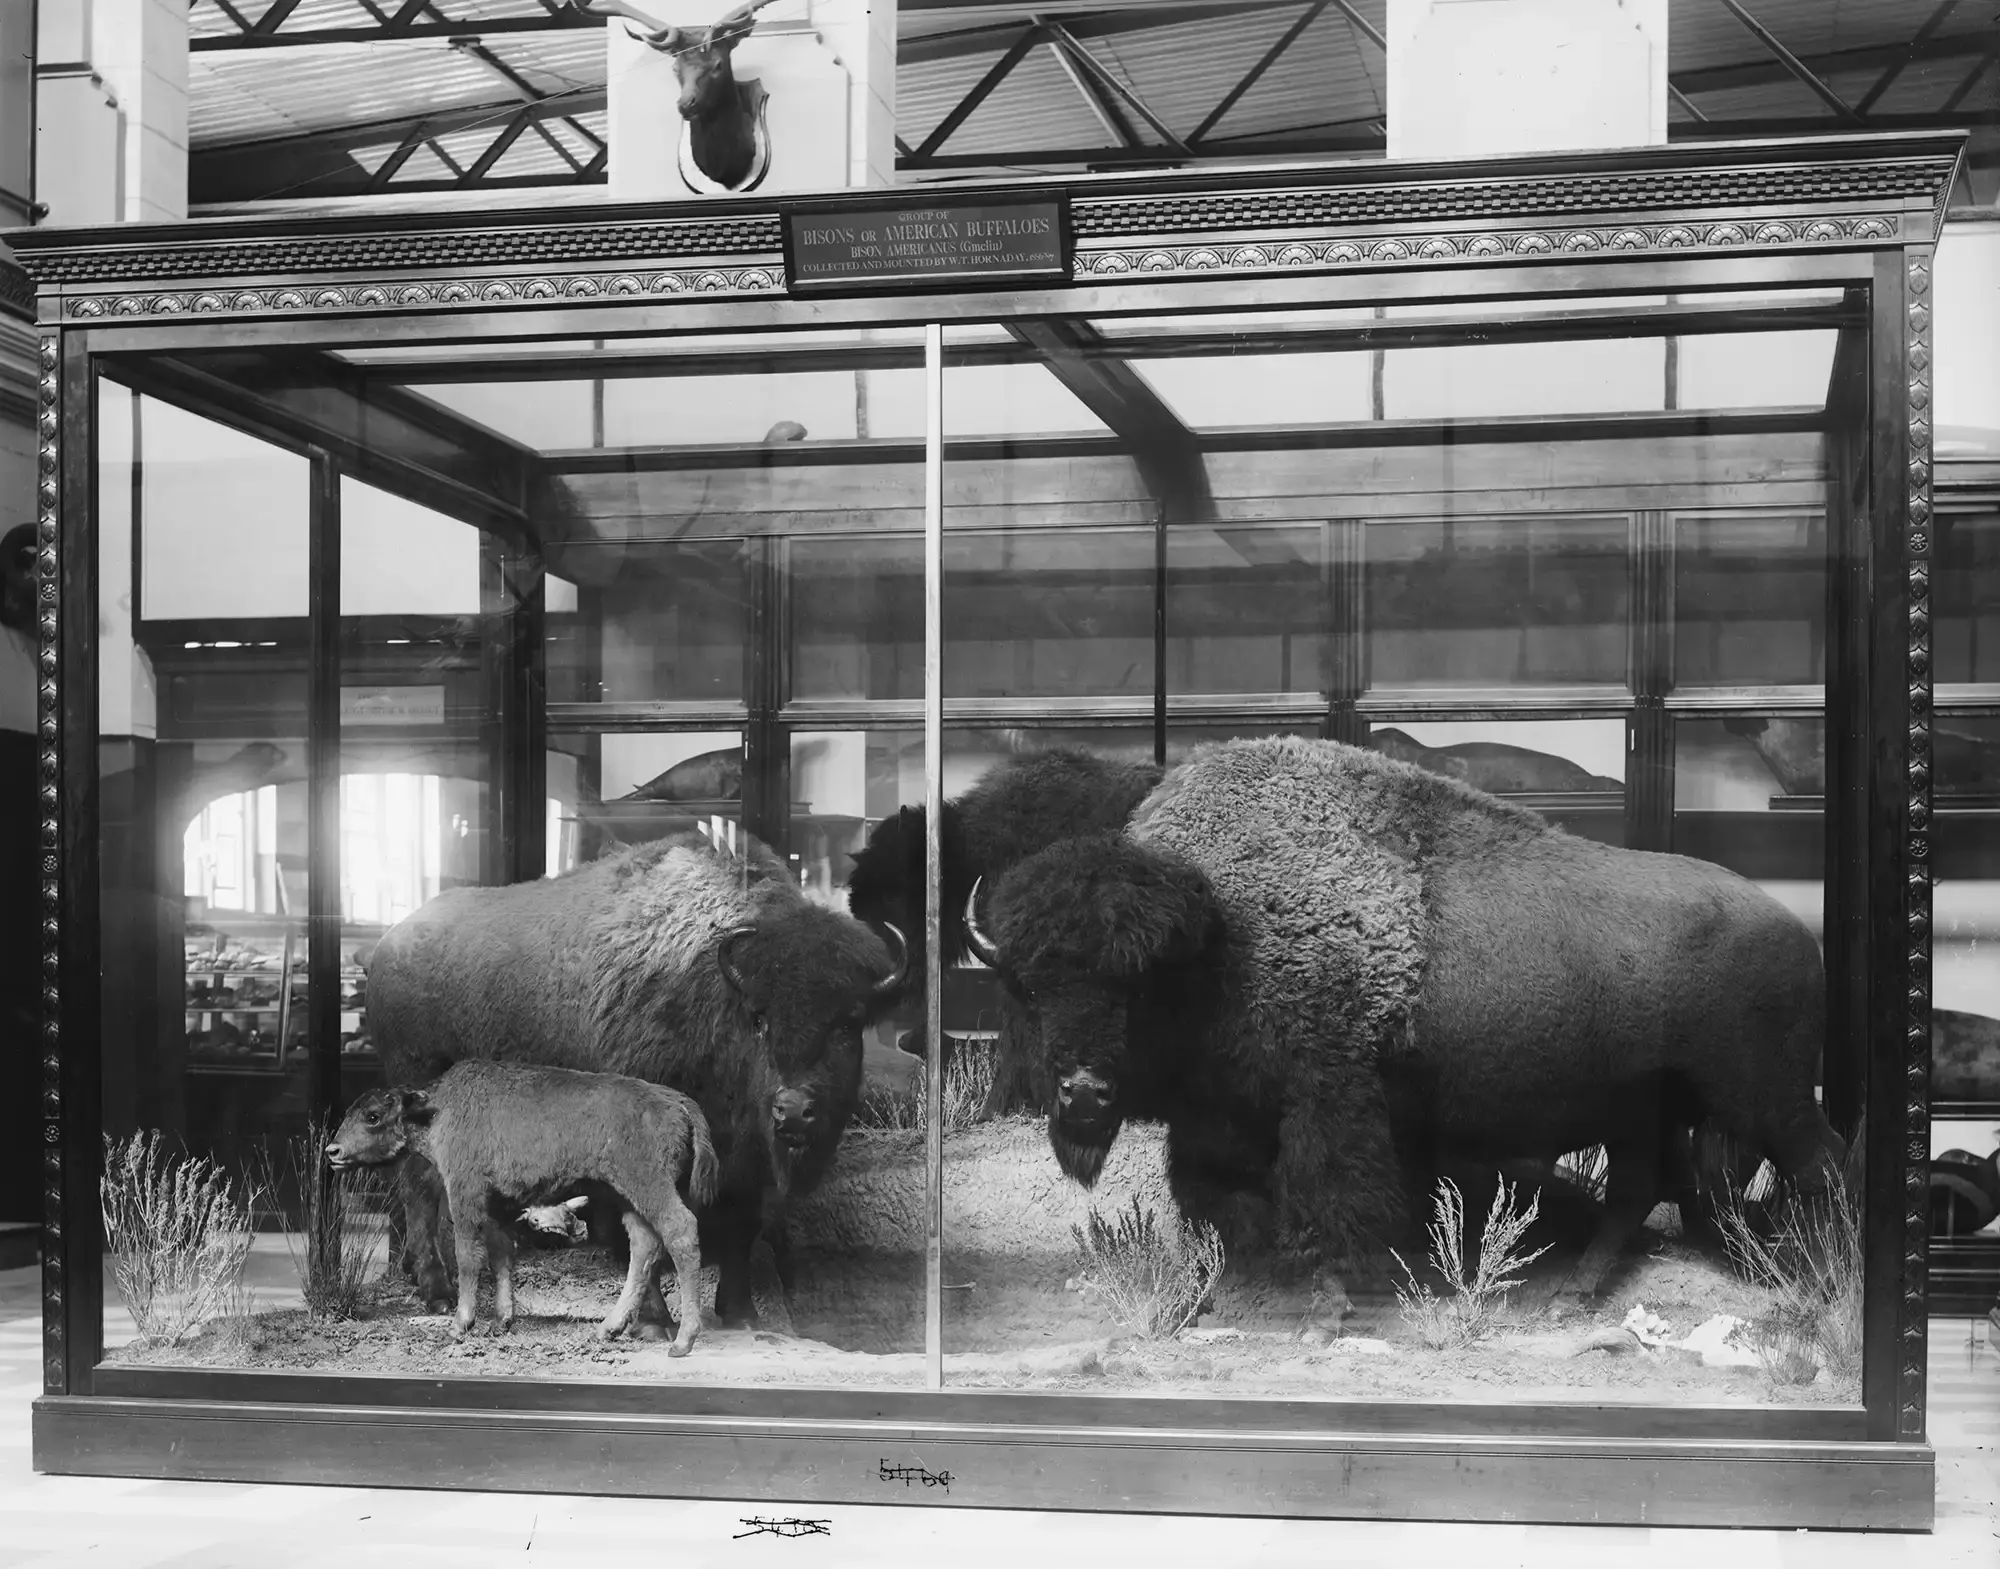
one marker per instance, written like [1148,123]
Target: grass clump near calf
[1152,1280]
[1811,1262]
[338,1239]
[179,1234]
[505,1134]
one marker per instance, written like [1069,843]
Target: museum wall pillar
[827,68]
[111,110]
[1479,78]
[1967,291]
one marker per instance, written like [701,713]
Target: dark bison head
[811,980]
[885,887]
[808,1113]
[377,1128]
[1084,935]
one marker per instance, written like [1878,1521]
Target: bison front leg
[1338,1184]
[468,1227]
[500,1250]
[1631,1188]
[425,1234]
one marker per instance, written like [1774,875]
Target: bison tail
[705,1174]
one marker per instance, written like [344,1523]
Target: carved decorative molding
[1484,246]
[430,295]
[48,427]
[540,243]
[1913,1326]
[17,293]
[1472,199]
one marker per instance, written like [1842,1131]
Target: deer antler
[657,33]
[726,32]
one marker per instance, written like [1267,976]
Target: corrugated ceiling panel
[1328,77]
[236,96]
[1035,109]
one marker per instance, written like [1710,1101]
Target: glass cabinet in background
[1447,691]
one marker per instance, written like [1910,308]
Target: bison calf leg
[643,1261]
[468,1227]
[500,1250]
[425,1236]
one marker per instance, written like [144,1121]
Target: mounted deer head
[725,136]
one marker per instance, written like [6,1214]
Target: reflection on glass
[1247,610]
[843,782]
[1749,600]
[1570,770]
[1965,589]
[1056,613]
[1247,391]
[654,623]
[857,617]
[1748,793]
[1482,602]
[1965,919]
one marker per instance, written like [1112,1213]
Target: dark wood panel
[1840,1486]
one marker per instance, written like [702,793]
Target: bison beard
[675,962]
[1016,809]
[1360,967]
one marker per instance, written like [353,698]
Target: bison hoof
[611,1328]
[680,1348]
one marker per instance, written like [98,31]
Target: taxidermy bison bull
[676,962]
[499,1134]
[1017,808]
[1326,971]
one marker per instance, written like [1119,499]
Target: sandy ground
[1015,1315]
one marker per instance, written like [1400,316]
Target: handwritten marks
[913,1476]
[790,1526]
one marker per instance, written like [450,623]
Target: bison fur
[1394,969]
[501,1136]
[677,962]
[1016,809]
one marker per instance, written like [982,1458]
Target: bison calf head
[378,1128]
[1082,934]
[810,980]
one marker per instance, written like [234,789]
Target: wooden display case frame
[1856,213]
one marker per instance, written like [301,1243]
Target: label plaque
[935,242]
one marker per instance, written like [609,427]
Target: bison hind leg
[1631,1187]
[645,1258]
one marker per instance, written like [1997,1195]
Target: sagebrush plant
[1152,1280]
[1472,1309]
[968,1080]
[1810,1260]
[179,1235]
[338,1240]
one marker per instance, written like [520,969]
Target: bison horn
[975,939]
[892,983]
[729,971]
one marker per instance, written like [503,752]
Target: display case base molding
[1329,1475]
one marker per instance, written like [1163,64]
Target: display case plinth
[1842,1486]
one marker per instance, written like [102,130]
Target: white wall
[1966,338]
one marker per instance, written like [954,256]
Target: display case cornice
[1861,191]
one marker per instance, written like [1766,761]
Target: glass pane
[1965,960]
[1487,602]
[1750,600]
[857,611]
[1480,602]
[658,622]
[1248,610]
[1965,588]
[1571,771]
[1054,613]
[1749,794]
[203,866]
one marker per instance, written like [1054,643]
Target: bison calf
[503,1136]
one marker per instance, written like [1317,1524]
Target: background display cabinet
[1293,828]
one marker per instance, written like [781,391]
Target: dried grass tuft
[1472,1309]
[179,1235]
[1153,1281]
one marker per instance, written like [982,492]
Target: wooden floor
[69,1522]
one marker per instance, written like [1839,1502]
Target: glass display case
[1294,866]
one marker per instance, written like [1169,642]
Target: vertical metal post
[1160,635]
[934,853]
[323,914]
